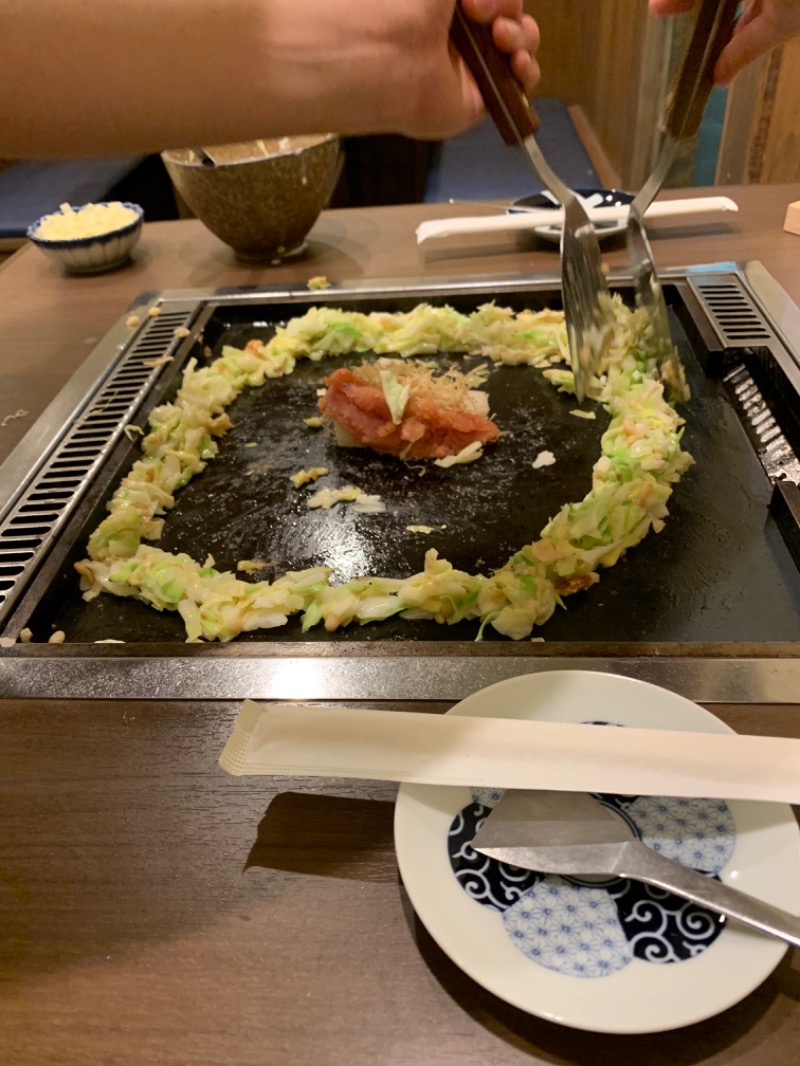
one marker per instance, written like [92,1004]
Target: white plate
[635,996]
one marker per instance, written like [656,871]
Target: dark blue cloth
[30,190]
[477,165]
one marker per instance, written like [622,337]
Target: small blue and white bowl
[92,254]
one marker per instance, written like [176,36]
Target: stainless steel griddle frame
[734,305]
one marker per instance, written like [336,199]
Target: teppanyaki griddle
[721,577]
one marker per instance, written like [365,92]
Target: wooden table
[153,910]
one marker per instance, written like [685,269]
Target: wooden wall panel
[593,55]
[567,71]
[761,137]
[737,163]
[618,64]
[781,161]
[610,59]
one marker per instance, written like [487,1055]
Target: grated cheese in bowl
[90,238]
[92,220]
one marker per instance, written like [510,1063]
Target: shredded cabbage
[468,454]
[641,460]
[395,394]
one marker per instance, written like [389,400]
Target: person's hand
[514,33]
[763,25]
[440,97]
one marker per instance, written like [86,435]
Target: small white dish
[590,198]
[613,982]
[91,254]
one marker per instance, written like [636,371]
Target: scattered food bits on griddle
[319,282]
[641,461]
[109,640]
[251,566]
[420,529]
[132,432]
[327,498]
[544,458]
[132,321]
[7,642]
[161,360]
[589,415]
[303,477]
[180,332]
[368,503]
[476,377]
[251,444]
[154,312]
[406,409]
[315,422]
[468,454]
[20,413]
[25,635]
[362,501]
[58,637]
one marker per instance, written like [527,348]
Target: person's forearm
[82,77]
[100,77]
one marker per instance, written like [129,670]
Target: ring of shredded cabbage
[632,480]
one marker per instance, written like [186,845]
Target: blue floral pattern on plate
[591,929]
[574,930]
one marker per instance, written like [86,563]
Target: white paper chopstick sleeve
[498,223]
[404,746]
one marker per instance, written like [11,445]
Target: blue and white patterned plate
[590,198]
[604,955]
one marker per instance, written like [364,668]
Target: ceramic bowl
[92,254]
[262,197]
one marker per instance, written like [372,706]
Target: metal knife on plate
[573,834]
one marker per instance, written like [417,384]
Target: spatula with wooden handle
[587,304]
[680,123]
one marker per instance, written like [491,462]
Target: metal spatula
[571,833]
[587,304]
[681,121]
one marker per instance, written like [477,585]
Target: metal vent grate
[776,453]
[738,320]
[29,527]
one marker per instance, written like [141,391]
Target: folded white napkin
[525,220]
[295,740]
